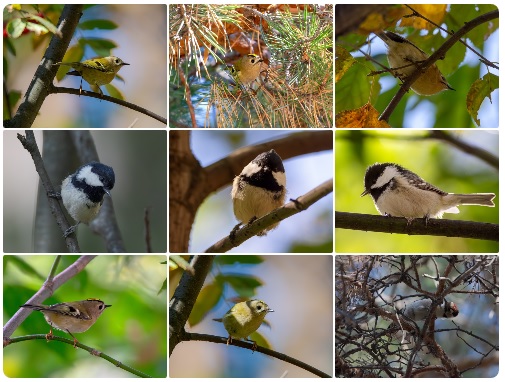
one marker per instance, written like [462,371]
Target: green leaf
[114,92]
[207,299]
[10,47]
[354,89]
[163,286]
[6,65]
[14,97]
[49,26]
[100,46]
[74,54]
[15,28]
[244,285]
[97,24]
[36,28]
[24,267]
[481,89]
[260,340]
[238,259]
[120,78]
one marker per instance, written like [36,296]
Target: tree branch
[104,97]
[222,172]
[482,154]
[30,145]
[247,345]
[184,298]
[78,345]
[435,227]
[289,209]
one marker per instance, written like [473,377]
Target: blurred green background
[133,330]
[436,162]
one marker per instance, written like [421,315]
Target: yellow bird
[244,318]
[97,71]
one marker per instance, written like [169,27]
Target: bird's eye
[118,61]
[259,307]
[72,309]
[100,307]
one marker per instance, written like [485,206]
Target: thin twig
[104,97]
[84,347]
[191,109]
[247,345]
[147,230]
[482,154]
[483,59]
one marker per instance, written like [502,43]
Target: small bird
[246,69]
[420,309]
[97,71]
[71,317]
[243,319]
[399,192]
[404,58]
[82,192]
[259,189]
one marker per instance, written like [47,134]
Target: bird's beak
[108,192]
[107,306]
[366,192]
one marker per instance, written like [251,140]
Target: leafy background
[461,67]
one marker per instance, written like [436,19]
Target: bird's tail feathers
[476,199]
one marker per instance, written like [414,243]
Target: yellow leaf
[365,116]
[343,63]
[433,12]
[479,90]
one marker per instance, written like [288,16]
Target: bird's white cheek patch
[388,174]
[280,177]
[251,169]
[91,178]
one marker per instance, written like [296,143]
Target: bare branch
[104,97]
[289,209]
[184,297]
[434,227]
[259,349]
